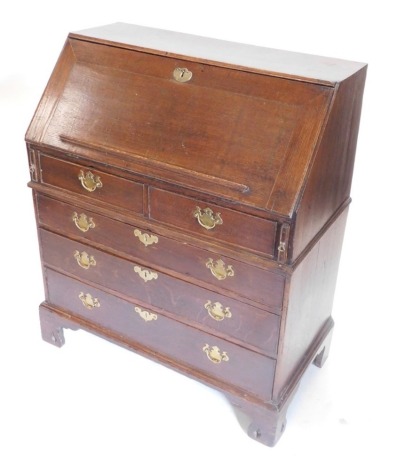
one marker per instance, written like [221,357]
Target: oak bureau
[191,197]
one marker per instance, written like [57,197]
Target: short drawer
[92,183]
[216,270]
[213,356]
[209,310]
[213,222]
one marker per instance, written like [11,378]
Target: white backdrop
[94,405]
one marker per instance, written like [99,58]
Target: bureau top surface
[304,66]
[244,132]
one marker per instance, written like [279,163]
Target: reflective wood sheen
[191,197]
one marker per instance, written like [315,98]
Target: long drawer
[210,310]
[216,270]
[213,356]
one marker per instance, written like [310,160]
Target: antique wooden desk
[191,197]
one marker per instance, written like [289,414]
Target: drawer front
[212,311]
[247,281]
[237,366]
[92,183]
[213,222]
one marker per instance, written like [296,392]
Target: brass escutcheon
[214,354]
[182,74]
[206,218]
[145,274]
[89,302]
[89,181]
[219,269]
[145,238]
[84,260]
[145,315]
[83,222]
[217,311]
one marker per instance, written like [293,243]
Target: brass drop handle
[219,269]
[217,311]
[84,260]
[83,222]
[146,238]
[89,301]
[145,314]
[215,355]
[145,274]
[206,218]
[89,181]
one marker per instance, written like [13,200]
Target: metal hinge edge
[282,248]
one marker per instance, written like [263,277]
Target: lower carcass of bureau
[257,384]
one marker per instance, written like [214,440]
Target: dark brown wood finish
[166,336]
[190,264]
[310,297]
[329,180]
[239,229]
[185,301]
[112,190]
[155,123]
[124,157]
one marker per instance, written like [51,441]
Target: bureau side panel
[308,312]
[50,97]
[329,180]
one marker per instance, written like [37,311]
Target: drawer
[92,183]
[213,222]
[207,309]
[164,336]
[247,281]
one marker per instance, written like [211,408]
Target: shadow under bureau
[191,198]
